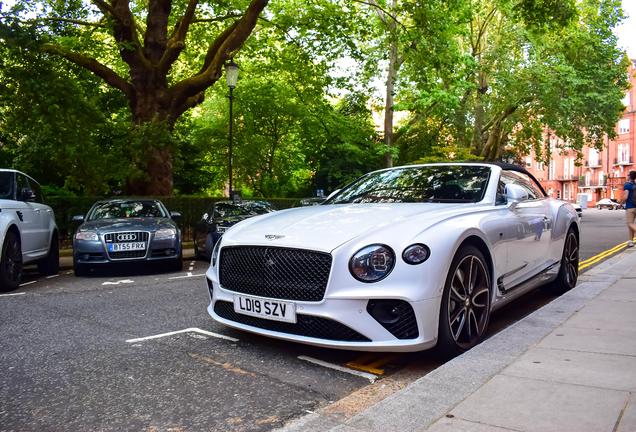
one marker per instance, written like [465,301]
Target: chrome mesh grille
[127,237]
[280,273]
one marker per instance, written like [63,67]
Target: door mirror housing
[175,215]
[27,195]
[78,219]
[515,194]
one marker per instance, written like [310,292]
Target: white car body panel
[518,254]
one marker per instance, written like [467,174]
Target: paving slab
[531,405]
[592,340]
[628,421]
[623,290]
[457,425]
[607,371]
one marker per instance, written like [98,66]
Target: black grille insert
[403,325]
[127,237]
[310,326]
[286,274]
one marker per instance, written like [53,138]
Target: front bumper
[95,253]
[336,319]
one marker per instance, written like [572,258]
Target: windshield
[6,185]
[126,209]
[432,183]
[253,208]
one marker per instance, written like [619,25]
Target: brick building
[603,173]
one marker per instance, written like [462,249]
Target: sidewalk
[570,366]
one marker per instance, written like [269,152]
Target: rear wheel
[197,255]
[569,271]
[11,263]
[51,264]
[465,309]
[598,207]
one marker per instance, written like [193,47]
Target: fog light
[386,313]
[170,252]
[86,257]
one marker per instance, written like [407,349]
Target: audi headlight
[165,233]
[87,235]
[215,252]
[372,263]
[416,254]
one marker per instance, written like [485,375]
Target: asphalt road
[68,362]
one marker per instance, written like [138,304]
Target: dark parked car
[219,218]
[127,230]
[313,201]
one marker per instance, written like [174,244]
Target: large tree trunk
[388,109]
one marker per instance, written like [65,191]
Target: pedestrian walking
[629,200]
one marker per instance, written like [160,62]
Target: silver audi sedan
[127,231]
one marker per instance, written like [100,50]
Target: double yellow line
[600,256]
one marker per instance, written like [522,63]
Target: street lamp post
[231,74]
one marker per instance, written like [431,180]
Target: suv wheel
[11,263]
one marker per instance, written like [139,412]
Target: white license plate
[265,308]
[118,247]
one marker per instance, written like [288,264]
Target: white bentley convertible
[402,259]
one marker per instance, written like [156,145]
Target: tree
[144,60]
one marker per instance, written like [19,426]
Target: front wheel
[598,207]
[11,263]
[465,309]
[569,270]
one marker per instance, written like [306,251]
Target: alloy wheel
[571,258]
[12,260]
[469,302]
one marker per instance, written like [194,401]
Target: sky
[626,32]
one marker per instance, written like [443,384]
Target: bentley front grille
[279,273]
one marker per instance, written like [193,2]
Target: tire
[197,255]
[569,271]
[80,270]
[598,207]
[11,263]
[51,264]
[178,265]
[463,304]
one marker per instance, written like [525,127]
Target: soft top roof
[513,167]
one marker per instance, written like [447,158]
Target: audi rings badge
[126,237]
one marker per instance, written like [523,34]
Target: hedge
[191,209]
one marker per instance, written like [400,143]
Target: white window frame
[623,126]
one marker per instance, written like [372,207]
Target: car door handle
[37,210]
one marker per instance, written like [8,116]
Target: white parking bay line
[193,329]
[125,281]
[27,283]
[51,277]
[368,376]
[191,268]
[14,294]
[187,276]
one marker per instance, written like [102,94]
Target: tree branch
[71,21]
[176,43]
[506,113]
[108,75]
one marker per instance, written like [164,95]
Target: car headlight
[87,235]
[416,254]
[215,252]
[372,263]
[165,233]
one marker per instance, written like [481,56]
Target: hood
[328,226]
[133,224]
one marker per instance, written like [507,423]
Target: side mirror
[332,194]
[174,215]
[27,195]
[78,219]
[515,194]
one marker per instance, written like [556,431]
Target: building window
[551,171]
[601,178]
[540,166]
[623,126]
[566,169]
[593,157]
[528,162]
[559,194]
[623,153]
[627,100]
[566,191]
[587,178]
